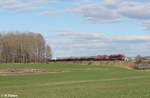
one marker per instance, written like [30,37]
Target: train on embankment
[115,57]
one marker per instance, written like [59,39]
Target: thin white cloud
[135,10]
[23,5]
[112,3]
[146,25]
[132,38]
[96,13]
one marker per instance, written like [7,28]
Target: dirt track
[18,72]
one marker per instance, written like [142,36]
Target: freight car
[117,57]
[111,57]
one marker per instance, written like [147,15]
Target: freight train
[117,57]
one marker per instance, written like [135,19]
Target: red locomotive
[110,57]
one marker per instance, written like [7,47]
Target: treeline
[25,47]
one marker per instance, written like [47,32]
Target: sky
[82,27]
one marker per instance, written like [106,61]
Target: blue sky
[82,27]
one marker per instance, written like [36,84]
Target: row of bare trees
[23,48]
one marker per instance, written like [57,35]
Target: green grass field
[76,81]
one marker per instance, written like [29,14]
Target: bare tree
[23,48]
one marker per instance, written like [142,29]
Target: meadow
[74,81]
